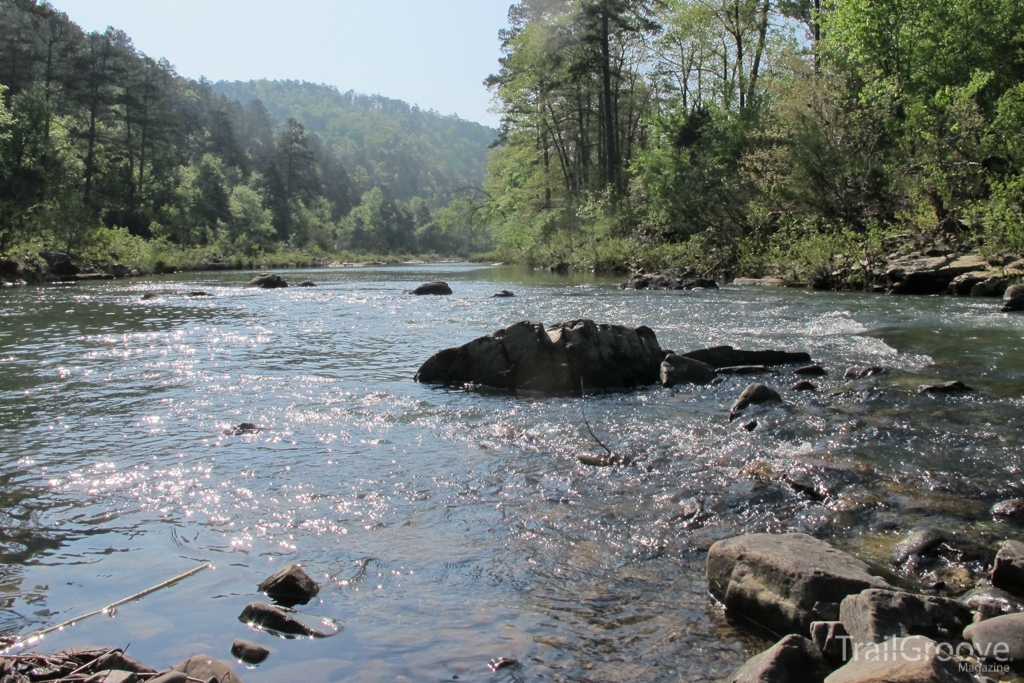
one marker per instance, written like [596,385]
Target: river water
[450,528]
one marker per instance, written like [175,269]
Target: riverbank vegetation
[111,156]
[757,137]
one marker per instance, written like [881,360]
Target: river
[450,528]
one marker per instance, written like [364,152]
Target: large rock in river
[563,359]
[785,582]
[794,658]
[727,357]
[267,281]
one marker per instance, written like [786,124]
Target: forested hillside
[785,137]
[108,153]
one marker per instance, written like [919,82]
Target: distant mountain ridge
[414,152]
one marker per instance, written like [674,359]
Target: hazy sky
[434,53]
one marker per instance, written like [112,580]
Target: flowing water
[450,528]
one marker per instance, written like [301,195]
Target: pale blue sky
[434,53]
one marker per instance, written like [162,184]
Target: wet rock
[198,295]
[805,483]
[831,638]
[290,586]
[1008,568]
[859,372]
[744,370]
[666,281]
[794,658]
[598,460]
[170,677]
[785,582]
[690,508]
[1010,509]
[919,543]
[875,616]
[811,371]
[947,388]
[267,281]
[989,602]
[503,294]
[755,394]
[243,429]
[250,653]
[1013,299]
[151,296]
[727,356]
[1000,639]
[280,619]
[117,659]
[962,285]
[205,668]
[307,284]
[989,287]
[563,359]
[676,370]
[503,663]
[805,386]
[751,426]
[903,660]
[951,559]
[431,289]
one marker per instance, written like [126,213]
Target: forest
[757,137]
[109,155]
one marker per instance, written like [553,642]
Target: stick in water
[583,409]
[71,622]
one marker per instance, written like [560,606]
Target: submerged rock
[431,289]
[250,653]
[755,394]
[859,372]
[805,386]
[785,582]
[564,359]
[307,284]
[503,294]
[744,370]
[1010,509]
[916,659]
[205,668]
[243,429]
[726,357]
[677,370]
[794,658]
[279,619]
[290,586]
[811,371]
[875,616]
[947,388]
[267,281]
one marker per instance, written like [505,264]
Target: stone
[1008,569]
[805,386]
[290,586]
[249,653]
[198,295]
[744,370]
[1009,509]
[60,264]
[244,429]
[811,371]
[794,659]
[1005,633]
[947,388]
[151,296]
[667,281]
[677,370]
[919,543]
[1013,305]
[307,284]
[874,616]
[831,638]
[727,356]
[205,668]
[963,285]
[989,602]
[565,359]
[431,289]
[903,660]
[279,619]
[759,282]
[113,676]
[170,677]
[785,581]
[989,287]
[930,275]
[267,281]
[751,426]
[859,372]
[503,294]
[121,271]
[755,394]
[1014,292]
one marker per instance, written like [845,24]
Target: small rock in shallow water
[811,371]
[279,619]
[503,663]
[598,460]
[431,289]
[290,586]
[677,370]
[750,426]
[947,388]
[250,653]
[198,295]
[205,668]
[755,394]
[991,602]
[805,386]
[858,372]
[503,294]
[243,429]
[307,283]
[267,281]
[1010,509]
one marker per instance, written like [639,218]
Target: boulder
[503,294]
[811,371]
[279,619]
[831,638]
[989,287]
[860,372]
[805,386]
[249,653]
[989,602]
[60,265]
[785,582]
[206,668]
[1014,292]
[751,426]
[666,281]
[290,586]
[1008,569]
[794,659]
[267,281]
[947,388]
[963,285]
[755,394]
[999,640]
[564,359]
[1009,509]
[307,284]
[903,660]
[244,429]
[930,275]
[727,356]
[875,616]
[431,289]
[677,370]
[1012,305]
